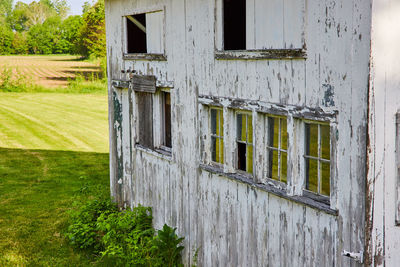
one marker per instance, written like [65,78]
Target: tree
[38,12]
[5,8]
[70,33]
[6,37]
[18,17]
[19,43]
[93,31]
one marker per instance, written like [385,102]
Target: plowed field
[49,71]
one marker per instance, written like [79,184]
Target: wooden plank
[143,83]
[293,23]
[155,32]
[269,24]
[145,114]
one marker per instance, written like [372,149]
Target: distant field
[49,70]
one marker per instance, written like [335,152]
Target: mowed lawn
[53,152]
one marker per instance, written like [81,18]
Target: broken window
[261,24]
[277,148]
[217,135]
[244,141]
[234,24]
[166,119]
[317,158]
[145,118]
[144,33]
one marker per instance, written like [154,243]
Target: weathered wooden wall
[231,222]
[384,99]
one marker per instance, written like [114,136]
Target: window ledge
[163,154]
[271,189]
[145,56]
[261,54]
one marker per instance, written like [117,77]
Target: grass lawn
[53,152]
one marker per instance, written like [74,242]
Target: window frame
[211,135]
[163,142]
[250,54]
[279,149]
[247,114]
[296,118]
[143,56]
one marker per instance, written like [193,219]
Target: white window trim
[296,119]
[124,41]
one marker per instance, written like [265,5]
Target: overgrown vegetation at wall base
[125,238]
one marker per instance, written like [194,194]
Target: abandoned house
[264,130]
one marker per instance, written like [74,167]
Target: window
[277,149]
[317,158]
[145,119]
[244,142]
[166,119]
[234,24]
[144,33]
[260,24]
[217,135]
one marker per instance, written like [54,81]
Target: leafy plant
[167,248]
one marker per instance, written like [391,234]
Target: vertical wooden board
[243,213]
[312,249]
[297,81]
[252,225]
[250,24]
[155,32]
[314,11]
[262,228]
[269,24]
[293,23]
[268,79]
[126,147]
[298,246]
[274,241]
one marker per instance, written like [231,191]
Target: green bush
[125,238]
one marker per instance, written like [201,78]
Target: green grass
[53,152]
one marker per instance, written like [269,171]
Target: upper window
[277,149]
[144,33]
[217,135]
[317,158]
[262,24]
[244,141]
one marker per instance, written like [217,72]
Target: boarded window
[145,33]
[317,158]
[277,149]
[217,135]
[166,119]
[145,117]
[244,141]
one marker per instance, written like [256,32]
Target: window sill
[145,56]
[305,200]
[160,153]
[261,54]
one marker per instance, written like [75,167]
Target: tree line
[43,27]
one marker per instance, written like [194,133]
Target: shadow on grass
[69,59]
[37,188]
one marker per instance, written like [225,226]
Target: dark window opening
[145,116]
[242,156]
[234,24]
[244,140]
[136,33]
[167,119]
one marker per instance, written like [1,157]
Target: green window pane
[213,121]
[249,156]
[213,148]
[276,133]
[274,165]
[312,175]
[325,178]
[283,134]
[221,152]
[249,129]
[284,167]
[325,142]
[311,139]
[221,122]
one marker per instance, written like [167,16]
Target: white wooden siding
[234,223]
